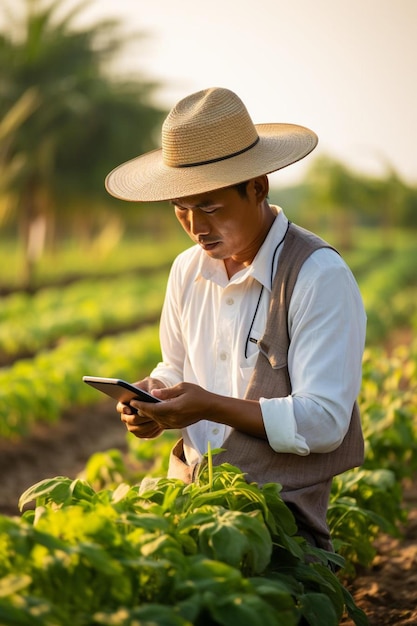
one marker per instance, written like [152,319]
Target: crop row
[389,292]
[75,261]
[55,323]
[29,323]
[40,389]
[89,307]
[369,499]
[86,310]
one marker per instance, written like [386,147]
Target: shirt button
[223,356]
[215,431]
[230,301]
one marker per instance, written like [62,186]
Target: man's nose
[198,223]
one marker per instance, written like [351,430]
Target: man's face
[225,224]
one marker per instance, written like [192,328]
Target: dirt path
[387,592]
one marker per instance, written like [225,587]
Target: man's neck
[235,264]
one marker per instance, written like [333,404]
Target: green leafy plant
[40,389]
[218,551]
[30,323]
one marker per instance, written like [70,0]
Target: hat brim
[147,179]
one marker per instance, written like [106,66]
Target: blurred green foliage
[70,118]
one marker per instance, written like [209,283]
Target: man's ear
[260,186]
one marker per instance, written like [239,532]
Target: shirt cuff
[281,427]
[165,375]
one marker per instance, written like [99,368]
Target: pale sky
[345,68]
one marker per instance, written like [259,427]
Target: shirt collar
[261,268]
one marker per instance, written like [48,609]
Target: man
[263,327]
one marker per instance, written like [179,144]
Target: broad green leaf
[239,539]
[81,490]
[275,591]
[282,515]
[233,609]
[203,574]
[317,609]
[147,522]
[51,489]
[355,613]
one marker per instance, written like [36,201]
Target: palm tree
[86,119]
[9,126]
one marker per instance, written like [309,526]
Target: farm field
[84,317]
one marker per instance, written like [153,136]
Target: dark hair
[241,188]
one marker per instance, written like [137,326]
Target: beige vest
[306,480]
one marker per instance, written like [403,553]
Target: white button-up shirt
[209,321]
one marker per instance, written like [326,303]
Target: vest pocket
[247,364]
[277,355]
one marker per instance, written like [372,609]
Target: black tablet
[119,389]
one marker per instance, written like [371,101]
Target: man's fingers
[125,409]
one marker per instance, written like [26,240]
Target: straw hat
[208,142]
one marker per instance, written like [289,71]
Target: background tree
[9,125]
[87,118]
[344,198]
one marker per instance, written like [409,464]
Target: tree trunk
[33,228]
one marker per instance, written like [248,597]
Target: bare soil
[60,449]
[387,591]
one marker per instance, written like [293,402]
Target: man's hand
[138,423]
[185,404]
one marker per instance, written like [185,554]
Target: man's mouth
[208,245]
